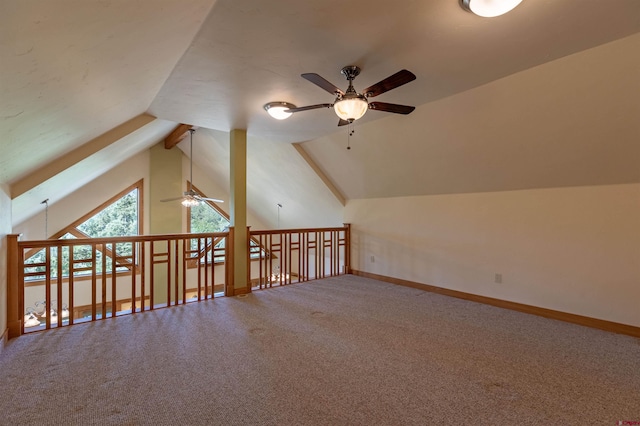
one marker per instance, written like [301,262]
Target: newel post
[248,260]
[14,295]
[347,251]
[228,248]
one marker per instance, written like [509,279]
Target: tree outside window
[117,217]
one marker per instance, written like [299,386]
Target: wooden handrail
[285,256]
[297,230]
[303,254]
[153,264]
[105,240]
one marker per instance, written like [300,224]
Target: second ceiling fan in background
[190,197]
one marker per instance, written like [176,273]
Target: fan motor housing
[350,71]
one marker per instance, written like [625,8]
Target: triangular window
[209,217]
[117,217]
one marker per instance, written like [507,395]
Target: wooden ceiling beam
[176,135]
[79,154]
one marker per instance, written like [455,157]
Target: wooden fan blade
[171,199]
[306,108]
[322,83]
[395,108]
[396,80]
[342,122]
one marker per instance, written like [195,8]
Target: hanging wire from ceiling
[279,207]
[46,218]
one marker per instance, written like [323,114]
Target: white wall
[214,189]
[276,174]
[574,250]
[62,212]
[5,228]
[72,207]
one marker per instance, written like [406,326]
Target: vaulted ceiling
[544,96]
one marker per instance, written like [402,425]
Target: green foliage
[205,218]
[116,220]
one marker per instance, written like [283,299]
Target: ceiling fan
[191,198]
[350,105]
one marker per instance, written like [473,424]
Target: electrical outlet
[373,259]
[498,279]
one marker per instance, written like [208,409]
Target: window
[119,216]
[206,217]
[209,217]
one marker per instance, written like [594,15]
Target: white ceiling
[549,126]
[249,52]
[543,96]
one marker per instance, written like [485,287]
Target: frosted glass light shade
[351,108]
[31,321]
[190,202]
[489,8]
[278,110]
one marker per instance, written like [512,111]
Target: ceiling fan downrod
[351,72]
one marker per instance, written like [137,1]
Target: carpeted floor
[340,351]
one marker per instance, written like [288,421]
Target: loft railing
[55,283]
[288,256]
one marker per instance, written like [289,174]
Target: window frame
[222,213]
[72,229]
[211,204]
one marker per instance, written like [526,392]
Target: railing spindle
[71,288]
[300,254]
[140,254]
[47,291]
[59,286]
[104,281]
[114,267]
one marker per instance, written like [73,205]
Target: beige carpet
[340,351]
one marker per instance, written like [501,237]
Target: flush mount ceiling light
[489,8]
[278,110]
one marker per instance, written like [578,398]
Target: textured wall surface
[574,250]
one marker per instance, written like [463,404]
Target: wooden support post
[229,250]
[238,213]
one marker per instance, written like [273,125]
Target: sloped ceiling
[72,70]
[501,103]
[276,174]
[570,122]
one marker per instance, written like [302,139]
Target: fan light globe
[190,202]
[278,110]
[350,109]
[31,321]
[489,8]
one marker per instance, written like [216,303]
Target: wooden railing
[295,255]
[54,283]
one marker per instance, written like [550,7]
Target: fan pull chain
[351,131]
